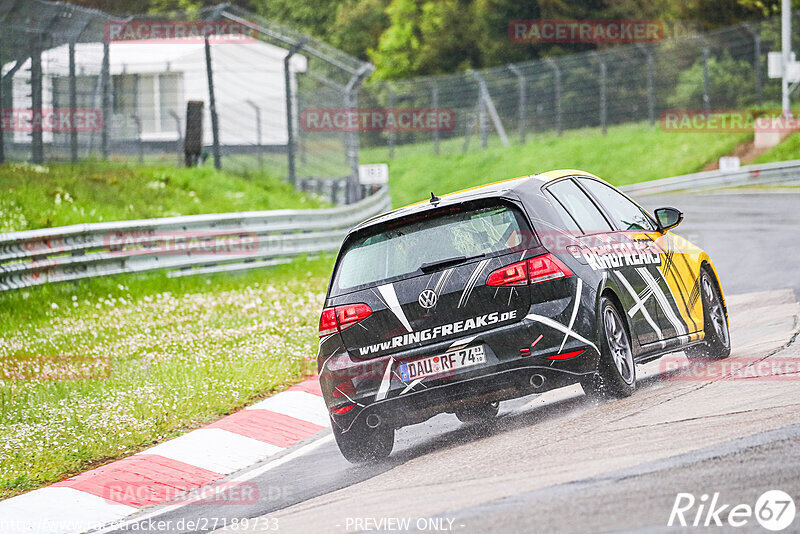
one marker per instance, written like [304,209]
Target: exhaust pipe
[537,381]
[374,420]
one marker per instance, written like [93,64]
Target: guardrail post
[287,80]
[557,96]
[212,101]
[37,141]
[73,103]
[521,85]
[105,88]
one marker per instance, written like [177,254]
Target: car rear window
[402,250]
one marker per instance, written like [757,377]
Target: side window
[579,206]
[625,213]
[565,220]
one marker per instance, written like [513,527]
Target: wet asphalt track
[559,463]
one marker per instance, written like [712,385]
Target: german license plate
[436,365]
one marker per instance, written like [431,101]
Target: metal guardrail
[782,172]
[184,245]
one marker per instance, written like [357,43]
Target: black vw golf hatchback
[457,303]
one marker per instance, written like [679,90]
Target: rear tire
[481,413]
[616,372]
[717,342]
[362,444]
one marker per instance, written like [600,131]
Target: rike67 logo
[774,510]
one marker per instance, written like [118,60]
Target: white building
[153,80]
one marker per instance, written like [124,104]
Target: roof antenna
[434,198]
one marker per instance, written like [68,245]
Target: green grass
[33,196]
[100,369]
[627,154]
[788,149]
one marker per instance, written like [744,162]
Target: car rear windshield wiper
[432,266]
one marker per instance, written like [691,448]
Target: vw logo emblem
[428,299]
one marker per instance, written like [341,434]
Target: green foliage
[730,81]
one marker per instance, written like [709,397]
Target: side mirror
[668,218]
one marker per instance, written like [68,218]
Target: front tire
[362,444]
[616,372]
[717,343]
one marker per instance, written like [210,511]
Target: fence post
[651,96]
[557,74]
[180,136]
[756,62]
[73,103]
[351,101]
[105,88]
[706,82]
[603,102]
[488,106]
[138,124]
[435,105]
[287,80]
[521,82]
[2,106]
[37,142]
[258,131]
[212,107]
[390,104]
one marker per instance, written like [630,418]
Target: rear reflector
[339,318]
[533,271]
[565,355]
[343,409]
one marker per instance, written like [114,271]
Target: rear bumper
[418,406]
[506,374]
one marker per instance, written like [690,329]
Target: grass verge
[36,196]
[627,154]
[98,370]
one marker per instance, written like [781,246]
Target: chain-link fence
[718,70]
[78,84]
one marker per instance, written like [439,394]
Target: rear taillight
[327,322]
[515,274]
[533,271]
[339,318]
[546,267]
